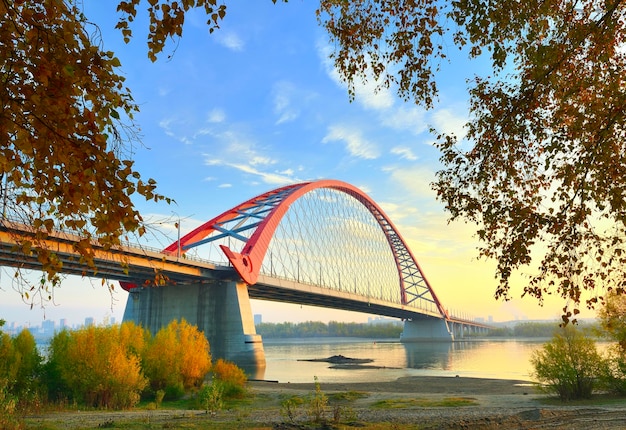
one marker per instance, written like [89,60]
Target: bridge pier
[427,329]
[221,310]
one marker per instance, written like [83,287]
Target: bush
[569,365]
[615,378]
[232,378]
[318,404]
[8,420]
[177,359]
[210,396]
[289,408]
[20,365]
[97,366]
[28,364]
[57,386]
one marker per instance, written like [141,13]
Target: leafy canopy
[66,131]
[540,170]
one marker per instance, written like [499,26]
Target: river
[497,359]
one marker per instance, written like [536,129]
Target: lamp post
[178,240]
[177,225]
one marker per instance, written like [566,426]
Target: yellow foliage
[178,355]
[101,364]
[228,372]
[65,121]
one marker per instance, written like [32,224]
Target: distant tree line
[543,329]
[332,329]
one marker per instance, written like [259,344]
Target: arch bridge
[323,243]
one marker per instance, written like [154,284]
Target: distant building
[63,324]
[47,327]
[89,321]
[258,319]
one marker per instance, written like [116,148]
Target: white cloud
[275,178]
[224,185]
[404,152]
[165,124]
[406,118]
[230,40]
[261,160]
[216,116]
[367,190]
[450,121]
[416,182]
[366,93]
[283,106]
[240,147]
[355,143]
[372,97]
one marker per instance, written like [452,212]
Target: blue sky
[257,105]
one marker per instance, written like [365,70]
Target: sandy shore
[501,404]
[496,404]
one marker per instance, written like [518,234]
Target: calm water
[499,359]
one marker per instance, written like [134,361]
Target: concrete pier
[220,309]
[427,329]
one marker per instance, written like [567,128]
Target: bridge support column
[428,329]
[221,310]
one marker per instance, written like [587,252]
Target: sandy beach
[497,404]
[490,404]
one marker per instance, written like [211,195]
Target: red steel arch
[274,205]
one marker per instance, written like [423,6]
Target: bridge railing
[123,243]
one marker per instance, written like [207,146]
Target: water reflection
[428,355]
[506,359]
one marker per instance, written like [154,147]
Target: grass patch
[595,400]
[447,402]
[178,404]
[347,396]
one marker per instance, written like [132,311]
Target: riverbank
[409,402]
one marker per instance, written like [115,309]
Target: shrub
[8,420]
[289,408]
[210,396]
[233,379]
[318,403]
[177,359]
[27,362]
[97,366]
[615,377]
[613,321]
[8,369]
[569,365]
[57,386]
[20,365]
